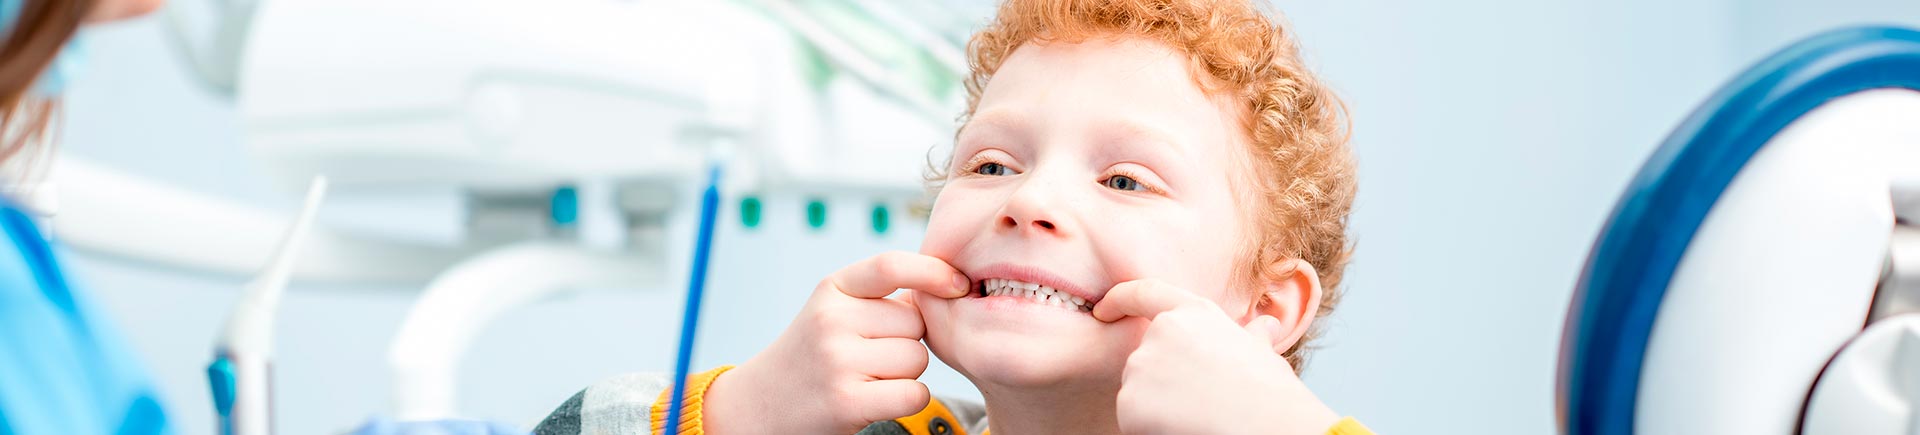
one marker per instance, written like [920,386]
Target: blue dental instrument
[696,285]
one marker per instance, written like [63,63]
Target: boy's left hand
[1196,371]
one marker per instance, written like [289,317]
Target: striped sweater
[637,404]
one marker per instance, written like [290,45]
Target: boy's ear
[1294,301]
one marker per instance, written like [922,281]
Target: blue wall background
[1493,138]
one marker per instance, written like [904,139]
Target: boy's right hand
[851,357]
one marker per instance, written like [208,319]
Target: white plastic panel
[501,93]
[1870,386]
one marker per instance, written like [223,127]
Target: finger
[878,276]
[1141,298]
[883,318]
[892,358]
[1266,329]
[890,399]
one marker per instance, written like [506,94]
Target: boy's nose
[1030,213]
[1038,224]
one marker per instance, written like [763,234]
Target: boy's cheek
[958,214]
[933,246]
[940,241]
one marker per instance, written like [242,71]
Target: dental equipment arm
[241,372]
[188,230]
[425,353]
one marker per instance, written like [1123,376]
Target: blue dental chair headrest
[1611,320]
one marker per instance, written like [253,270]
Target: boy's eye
[990,168]
[1122,182]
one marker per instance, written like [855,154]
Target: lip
[1033,275]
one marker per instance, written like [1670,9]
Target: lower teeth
[982,292]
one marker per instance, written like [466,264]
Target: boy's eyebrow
[1152,141]
[1001,119]
[1123,130]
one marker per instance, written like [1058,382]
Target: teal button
[816,214]
[750,212]
[880,219]
[564,207]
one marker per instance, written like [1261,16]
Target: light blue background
[1493,138]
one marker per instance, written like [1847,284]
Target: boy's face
[1085,165]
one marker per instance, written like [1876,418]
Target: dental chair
[1761,274]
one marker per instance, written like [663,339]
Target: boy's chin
[1029,361]
[1037,365]
[997,343]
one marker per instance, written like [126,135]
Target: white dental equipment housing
[516,95]
[1757,278]
[506,102]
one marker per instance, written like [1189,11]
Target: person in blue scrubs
[63,368]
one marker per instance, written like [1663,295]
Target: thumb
[1266,330]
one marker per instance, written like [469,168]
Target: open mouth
[1036,293]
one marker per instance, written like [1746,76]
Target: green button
[750,212]
[816,214]
[880,221]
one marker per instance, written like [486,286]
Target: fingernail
[961,282]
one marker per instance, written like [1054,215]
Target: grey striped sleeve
[620,405]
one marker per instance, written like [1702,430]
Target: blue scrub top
[63,369]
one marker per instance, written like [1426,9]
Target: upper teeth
[1035,292]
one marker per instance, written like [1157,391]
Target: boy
[1144,214]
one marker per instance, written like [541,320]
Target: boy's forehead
[1115,87]
[1117,58]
